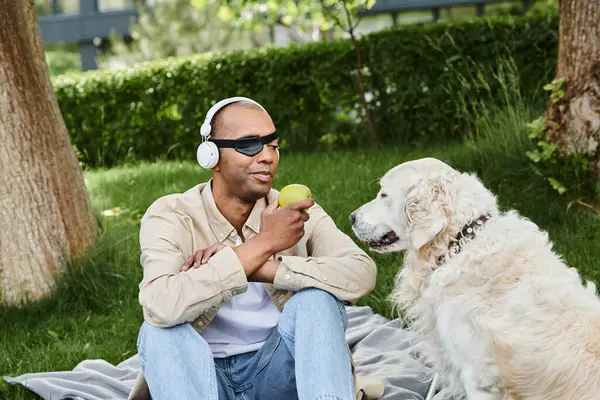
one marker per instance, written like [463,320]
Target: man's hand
[201,256]
[284,227]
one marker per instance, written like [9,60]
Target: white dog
[497,312]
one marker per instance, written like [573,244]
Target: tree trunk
[573,122]
[45,214]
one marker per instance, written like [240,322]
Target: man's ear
[425,212]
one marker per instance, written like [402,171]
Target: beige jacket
[175,226]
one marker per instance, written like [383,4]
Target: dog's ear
[426,212]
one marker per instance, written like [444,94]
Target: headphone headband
[205,129]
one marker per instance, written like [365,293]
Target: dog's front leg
[476,389]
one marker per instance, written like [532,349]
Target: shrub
[155,109]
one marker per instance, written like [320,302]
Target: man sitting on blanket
[242,298]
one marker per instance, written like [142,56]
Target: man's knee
[313,301]
[315,296]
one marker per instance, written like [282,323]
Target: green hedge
[155,109]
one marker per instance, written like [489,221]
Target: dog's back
[541,324]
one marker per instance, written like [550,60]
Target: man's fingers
[304,216]
[271,208]
[198,257]
[206,256]
[201,256]
[209,252]
[187,264]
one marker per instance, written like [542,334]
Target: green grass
[95,313]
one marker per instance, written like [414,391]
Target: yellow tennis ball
[292,193]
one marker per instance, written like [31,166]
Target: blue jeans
[305,358]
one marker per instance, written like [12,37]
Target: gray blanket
[380,348]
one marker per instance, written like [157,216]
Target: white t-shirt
[243,323]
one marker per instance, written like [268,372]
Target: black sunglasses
[249,146]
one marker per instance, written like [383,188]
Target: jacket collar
[221,227]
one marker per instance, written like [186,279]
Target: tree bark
[573,122]
[45,214]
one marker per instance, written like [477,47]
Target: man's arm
[170,297]
[266,273]
[252,254]
[334,263]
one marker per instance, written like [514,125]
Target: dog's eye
[383,195]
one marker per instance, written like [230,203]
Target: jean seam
[140,334]
[286,335]
[139,347]
[229,375]
[343,314]
[213,379]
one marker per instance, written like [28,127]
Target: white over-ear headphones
[208,153]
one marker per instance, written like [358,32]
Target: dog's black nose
[352,218]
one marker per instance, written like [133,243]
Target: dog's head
[420,203]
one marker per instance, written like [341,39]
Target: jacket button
[287,276]
[325,278]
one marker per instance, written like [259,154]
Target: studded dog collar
[467,233]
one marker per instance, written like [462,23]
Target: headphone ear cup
[207,155]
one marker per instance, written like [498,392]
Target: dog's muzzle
[386,240]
